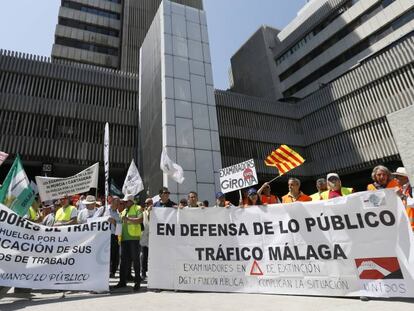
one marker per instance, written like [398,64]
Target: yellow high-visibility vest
[63,214]
[344,191]
[134,230]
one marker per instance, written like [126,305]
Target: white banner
[51,188]
[359,245]
[238,176]
[70,258]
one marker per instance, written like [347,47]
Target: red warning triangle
[255,270]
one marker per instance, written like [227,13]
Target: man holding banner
[130,248]
[294,193]
[67,214]
[265,196]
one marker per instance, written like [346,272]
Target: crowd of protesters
[130,222]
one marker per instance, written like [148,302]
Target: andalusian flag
[285,159]
[16,192]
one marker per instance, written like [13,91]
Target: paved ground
[127,300]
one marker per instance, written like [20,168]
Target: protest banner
[51,188]
[238,176]
[69,258]
[358,245]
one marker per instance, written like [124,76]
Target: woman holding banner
[252,199]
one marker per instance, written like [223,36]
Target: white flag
[133,182]
[106,163]
[170,168]
[3,157]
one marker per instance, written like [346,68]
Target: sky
[29,25]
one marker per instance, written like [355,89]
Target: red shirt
[335,194]
[272,199]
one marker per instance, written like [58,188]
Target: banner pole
[240,197]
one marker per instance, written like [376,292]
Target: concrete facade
[353,31]
[105,33]
[89,32]
[326,40]
[137,18]
[342,127]
[253,67]
[401,124]
[177,101]
[54,112]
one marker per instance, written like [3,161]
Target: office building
[341,67]
[325,85]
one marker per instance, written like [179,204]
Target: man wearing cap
[265,196]
[405,192]
[322,186]
[382,178]
[67,214]
[164,199]
[221,200]
[88,211]
[335,188]
[131,218]
[294,194]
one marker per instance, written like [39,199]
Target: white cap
[401,171]
[128,198]
[332,175]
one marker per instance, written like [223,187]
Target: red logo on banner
[248,174]
[378,268]
[255,270]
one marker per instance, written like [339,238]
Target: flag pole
[274,179]
[106,164]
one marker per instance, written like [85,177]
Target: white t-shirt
[85,214]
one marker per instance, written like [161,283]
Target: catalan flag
[285,159]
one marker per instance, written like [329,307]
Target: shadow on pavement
[18,301]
